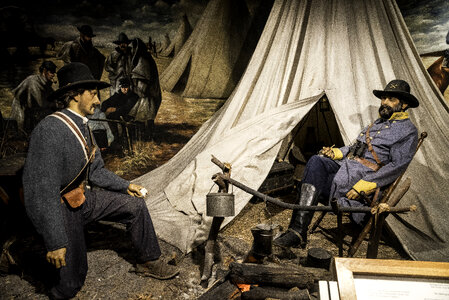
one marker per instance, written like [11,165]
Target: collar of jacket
[401,115]
[84,119]
[44,80]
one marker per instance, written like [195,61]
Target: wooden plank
[347,268]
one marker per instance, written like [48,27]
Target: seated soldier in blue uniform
[380,154]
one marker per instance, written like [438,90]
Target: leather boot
[296,234]
[158,269]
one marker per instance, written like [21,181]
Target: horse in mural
[439,74]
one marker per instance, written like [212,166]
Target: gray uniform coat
[54,159]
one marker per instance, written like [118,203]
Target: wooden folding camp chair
[386,198]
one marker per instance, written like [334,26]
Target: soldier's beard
[386,111]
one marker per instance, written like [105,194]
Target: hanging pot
[220,205]
[263,239]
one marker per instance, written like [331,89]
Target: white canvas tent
[343,49]
[206,64]
[182,34]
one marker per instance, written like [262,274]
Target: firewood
[286,276]
[261,293]
[225,290]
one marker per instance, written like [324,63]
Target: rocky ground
[110,254]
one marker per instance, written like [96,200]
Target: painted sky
[428,23]
[428,20]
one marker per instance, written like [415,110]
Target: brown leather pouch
[75,198]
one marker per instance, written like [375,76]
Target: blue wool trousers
[320,172]
[109,206]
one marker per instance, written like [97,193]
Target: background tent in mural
[182,34]
[212,60]
[339,48]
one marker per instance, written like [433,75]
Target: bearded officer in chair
[382,151]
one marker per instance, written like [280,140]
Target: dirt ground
[110,254]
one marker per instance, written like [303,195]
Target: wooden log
[352,209]
[261,293]
[209,248]
[286,276]
[373,244]
[226,290]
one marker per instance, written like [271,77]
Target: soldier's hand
[57,257]
[110,110]
[134,190]
[352,194]
[327,151]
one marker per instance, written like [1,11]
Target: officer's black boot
[296,235]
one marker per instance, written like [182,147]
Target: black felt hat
[399,89]
[48,65]
[122,39]
[73,76]
[124,82]
[86,30]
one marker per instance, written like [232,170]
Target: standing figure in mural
[117,107]
[82,50]
[30,103]
[145,80]
[383,151]
[445,63]
[118,63]
[66,186]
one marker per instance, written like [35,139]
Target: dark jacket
[77,51]
[122,102]
[55,157]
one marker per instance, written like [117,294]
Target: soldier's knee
[315,160]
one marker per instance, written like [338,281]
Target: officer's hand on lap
[135,190]
[352,195]
[57,257]
[327,151]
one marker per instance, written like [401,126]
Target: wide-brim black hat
[86,30]
[122,39]
[73,76]
[399,89]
